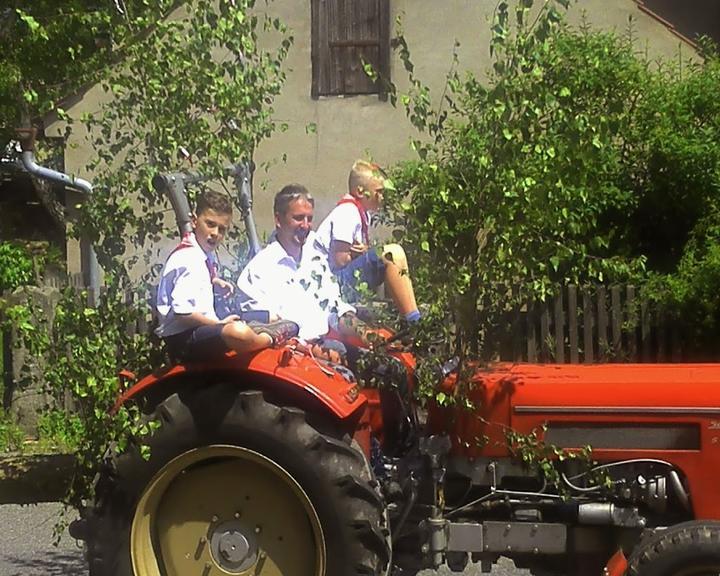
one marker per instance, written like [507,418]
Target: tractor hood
[668,412]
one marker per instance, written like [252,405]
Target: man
[290,279]
[185,302]
[344,239]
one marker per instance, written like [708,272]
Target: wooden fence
[141,324]
[592,324]
[141,298]
[586,324]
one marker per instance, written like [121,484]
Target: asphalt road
[26,549]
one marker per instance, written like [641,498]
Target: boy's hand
[227,288]
[230,318]
[358,249]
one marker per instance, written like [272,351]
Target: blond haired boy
[344,237]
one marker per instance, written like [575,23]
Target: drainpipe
[27,143]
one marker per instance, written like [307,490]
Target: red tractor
[275,464]
[278,463]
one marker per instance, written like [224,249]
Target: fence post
[616,322]
[7,363]
[142,323]
[531,334]
[572,324]
[675,344]
[631,318]
[130,327]
[559,328]
[603,347]
[588,324]
[661,334]
[544,331]
[645,331]
[517,324]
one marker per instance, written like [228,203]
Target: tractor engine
[469,490]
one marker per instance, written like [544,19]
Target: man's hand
[230,318]
[318,351]
[354,330]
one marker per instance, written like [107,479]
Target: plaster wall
[365,126]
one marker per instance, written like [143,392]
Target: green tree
[51,49]
[208,92]
[208,88]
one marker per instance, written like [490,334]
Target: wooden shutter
[344,34]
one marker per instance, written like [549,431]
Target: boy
[185,300]
[344,238]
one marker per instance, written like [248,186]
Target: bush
[11,436]
[523,175]
[16,267]
[577,161]
[673,161]
[79,356]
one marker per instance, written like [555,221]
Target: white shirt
[343,223]
[305,292]
[185,287]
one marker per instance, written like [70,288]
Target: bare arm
[351,327]
[342,253]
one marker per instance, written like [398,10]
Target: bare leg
[397,278]
[240,337]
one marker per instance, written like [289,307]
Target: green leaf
[29,20]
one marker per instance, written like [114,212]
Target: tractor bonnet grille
[611,435]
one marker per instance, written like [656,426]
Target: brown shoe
[280,331]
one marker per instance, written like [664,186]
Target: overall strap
[363,217]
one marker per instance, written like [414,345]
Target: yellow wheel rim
[225,510]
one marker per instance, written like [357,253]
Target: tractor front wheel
[238,485]
[687,549]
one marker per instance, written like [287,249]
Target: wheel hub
[232,548]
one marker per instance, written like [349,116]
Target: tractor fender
[287,367]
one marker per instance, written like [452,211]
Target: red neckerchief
[187,242]
[363,216]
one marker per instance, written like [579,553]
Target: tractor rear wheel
[687,549]
[238,485]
